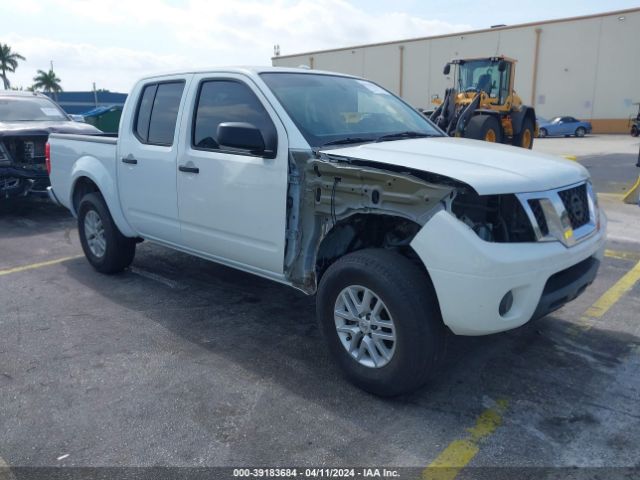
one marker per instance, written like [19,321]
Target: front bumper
[16,182]
[472,276]
[13,187]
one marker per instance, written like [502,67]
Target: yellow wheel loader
[483,105]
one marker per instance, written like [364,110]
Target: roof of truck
[251,70]
[20,93]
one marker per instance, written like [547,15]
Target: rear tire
[525,138]
[634,131]
[580,132]
[409,308]
[484,127]
[542,133]
[106,249]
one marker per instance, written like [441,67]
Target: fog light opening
[505,304]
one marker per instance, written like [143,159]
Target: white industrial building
[587,67]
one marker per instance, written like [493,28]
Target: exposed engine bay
[25,151]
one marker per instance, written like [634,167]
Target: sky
[114,42]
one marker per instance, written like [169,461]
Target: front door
[146,163]
[232,203]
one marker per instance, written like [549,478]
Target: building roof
[20,93]
[88,97]
[467,32]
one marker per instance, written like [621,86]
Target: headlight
[494,218]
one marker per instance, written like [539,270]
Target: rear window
[29,109]
[157,113]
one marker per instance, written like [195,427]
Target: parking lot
[181,362]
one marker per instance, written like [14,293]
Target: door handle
[130,160]
[184,168]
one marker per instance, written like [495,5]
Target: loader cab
[493,75]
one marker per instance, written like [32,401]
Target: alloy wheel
[365,326]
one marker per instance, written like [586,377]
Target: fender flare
[518,117]
[93,169]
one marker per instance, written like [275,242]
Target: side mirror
[244,136]
[502,66]
[447,69]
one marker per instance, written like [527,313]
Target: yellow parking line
[635,256]
[460,452]
[37,265]
[615,293]
[611,196]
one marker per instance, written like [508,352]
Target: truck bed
[72,154]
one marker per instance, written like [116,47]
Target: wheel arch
[362,231]
[90,175]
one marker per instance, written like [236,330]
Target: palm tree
[8,63]
[47,81]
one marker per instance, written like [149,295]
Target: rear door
[232,204]
[147,155]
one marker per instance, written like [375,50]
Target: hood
[45,128]
[487,167]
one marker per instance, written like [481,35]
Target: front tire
[484,127]
[380,316]
[106,249]
[524,139]
[580,132]
[634,131]
[542,133]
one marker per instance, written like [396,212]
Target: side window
[505,81]
[158,113]
[222,101]
[144,112]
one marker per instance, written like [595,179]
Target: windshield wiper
[346,141]
[401,135]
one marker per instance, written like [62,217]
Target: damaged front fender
[324,192]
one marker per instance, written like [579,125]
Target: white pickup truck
[334,186]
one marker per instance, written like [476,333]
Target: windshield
[337,110]
[29,109]
[477,75]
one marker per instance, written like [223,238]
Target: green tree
[8,63]
[47,81]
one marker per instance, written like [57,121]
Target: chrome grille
[569,215]
[577,205]
[538,213]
